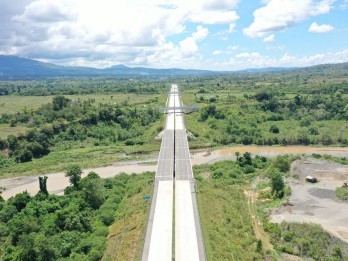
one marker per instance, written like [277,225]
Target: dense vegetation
[71,86]
[307,240]
[65,123]
[69,227]
[305,106]
[268,118]
[299,107]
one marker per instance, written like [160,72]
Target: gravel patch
[316,203]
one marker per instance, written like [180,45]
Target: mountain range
[17,67]
[13,67]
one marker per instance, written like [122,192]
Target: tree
[20,201]
[12,142]
[59,102]
[247,157]
[74,173]
[45,248]
[23,155]
[277,184]
[237,155]
[92,187]
[261,96]
[282,163]
[43,184]
[274,129]
[3,144]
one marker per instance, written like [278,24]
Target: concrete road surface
[174,161]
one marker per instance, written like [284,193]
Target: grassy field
[12,104]
[126,235]
[225,213]
[227,224]
[90,156]
[6,130]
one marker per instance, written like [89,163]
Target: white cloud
[43,11]
[200,34]
[324,28]
[248,55]
[218,4]
[137,32]
[256,60]
[277,15]
[188,46]
[269,38]
[229,50]
[215,17]
[104,31]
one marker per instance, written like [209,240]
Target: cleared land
[317,203]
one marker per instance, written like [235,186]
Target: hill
[13,67]
[16,67]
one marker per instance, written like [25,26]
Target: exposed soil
[208,156]
[317,203]
[257,225]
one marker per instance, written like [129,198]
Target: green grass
[6,130]
[127,234]
[89,156]
[227,225]
[342,193]
[12,104]
[307,241]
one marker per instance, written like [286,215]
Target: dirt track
[317,203]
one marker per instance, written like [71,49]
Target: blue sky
[201,34]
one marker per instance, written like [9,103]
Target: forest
[266,118]
[69,227]
[64,122]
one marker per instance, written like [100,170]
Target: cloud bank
[158,33]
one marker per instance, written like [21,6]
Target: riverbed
[57,182]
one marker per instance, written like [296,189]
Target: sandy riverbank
[57,182]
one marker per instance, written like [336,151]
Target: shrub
[282,163]
[277,184]
[274,129]
[74,173]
